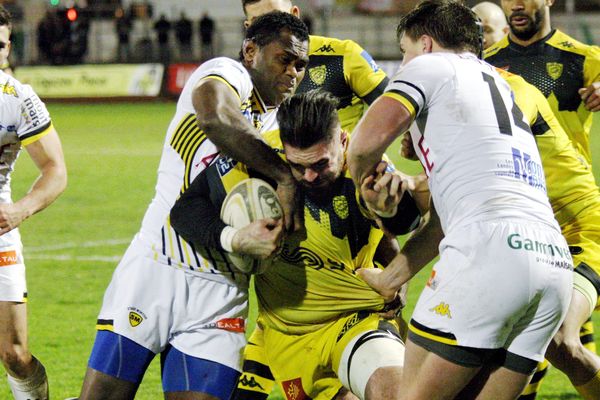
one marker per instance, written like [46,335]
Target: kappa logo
[293,390]
[318,74]
[9,90]
[567,44]
[442,309]
[554,70]
[326,48]
[251,383]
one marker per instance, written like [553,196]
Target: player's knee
[371,365]
[15,357]
[564,349]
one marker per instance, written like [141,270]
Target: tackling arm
[47,155]
[383,122]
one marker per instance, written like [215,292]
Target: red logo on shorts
[293,390]
[232,324]
[8,258]
[431,278]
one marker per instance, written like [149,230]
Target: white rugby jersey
[473,142]
[186,152]
[23,120]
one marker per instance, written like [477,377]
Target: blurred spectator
[123,25]
[183,33]
[162,28]
[77,37]
[51,39]
[207,31]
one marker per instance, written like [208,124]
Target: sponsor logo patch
[370,60]
[293,390]
[8,258]
[225,164]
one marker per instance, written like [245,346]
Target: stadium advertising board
[177,76]
[94,81]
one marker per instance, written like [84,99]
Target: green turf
[112,152]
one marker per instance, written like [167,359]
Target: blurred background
[175,36]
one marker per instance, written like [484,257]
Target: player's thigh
[369,355]
[100,386]
[13,325]
[504,384]
[13,295]
[429,376]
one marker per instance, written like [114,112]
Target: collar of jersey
[533,47]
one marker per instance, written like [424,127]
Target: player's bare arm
[420,249]
[47,155]
[218,114]
[384,121]
[260,239]
[591,96]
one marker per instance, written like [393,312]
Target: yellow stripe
[402,101]
[188,158]
[37,137]
[181,129]
[430,336]
[105,328]
[218,78]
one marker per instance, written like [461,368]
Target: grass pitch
[72,248]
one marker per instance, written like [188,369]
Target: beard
[533,26]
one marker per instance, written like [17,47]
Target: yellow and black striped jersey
[558,66]
[571,187]
[346,70]
[186,152]
[313,280]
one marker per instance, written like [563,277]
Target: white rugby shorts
[498,285]
[155,305]
[13,285]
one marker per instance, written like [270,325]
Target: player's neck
[542,33]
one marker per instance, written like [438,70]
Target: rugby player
[565,70]
[25,122]
[319,320]
[165,297]
[488,190]
[344,69]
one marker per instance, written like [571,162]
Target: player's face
[316,168]
[261,7]
[410,48]
[4,43]
[525,17]
[278,67]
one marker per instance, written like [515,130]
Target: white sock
[34,387]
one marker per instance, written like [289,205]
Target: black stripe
[187,133]
[540,126]
[194,252]
[538,376]
[183,126]
[586,339]
[35,132]
[242,394]
[105,321]
[434,332]
[260,369]
[407,97]
[587,272]
[178,240]
[414,87]
[164,241]
[219,76]
[370,97]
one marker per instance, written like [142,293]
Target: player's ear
[246,24]
[295,11]
[549,3]
[426,43]
[249,49]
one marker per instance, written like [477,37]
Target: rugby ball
[249,200]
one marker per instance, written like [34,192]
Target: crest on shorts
[318,74]
[554,70]
[135,319]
